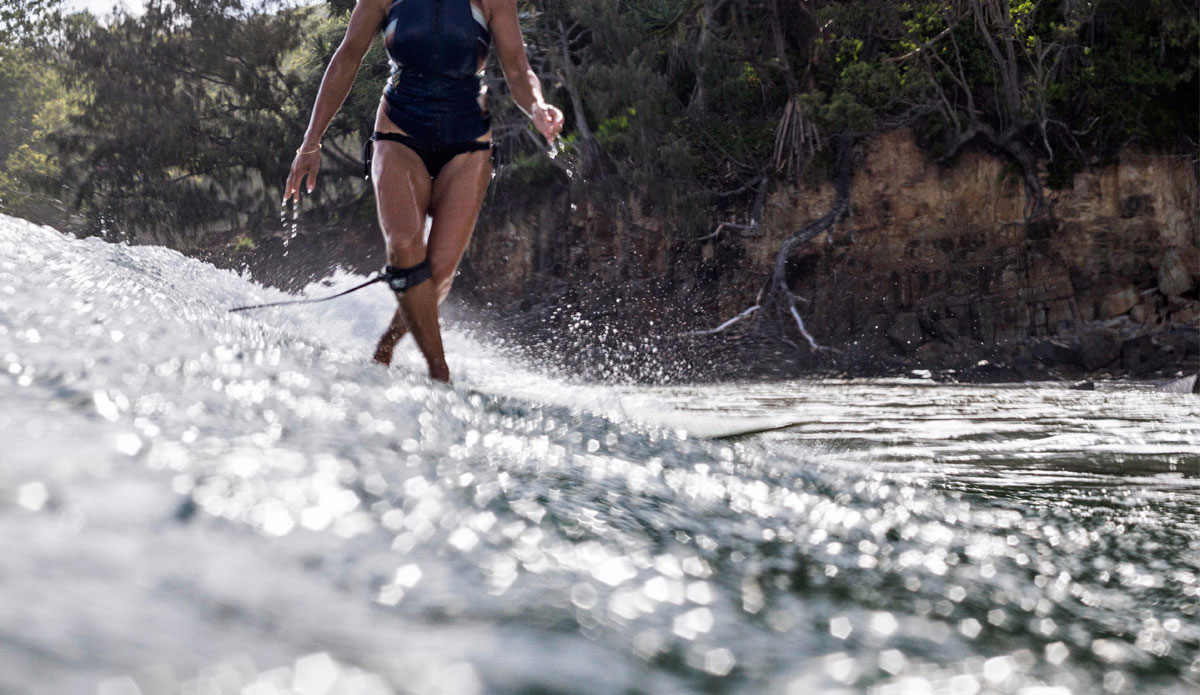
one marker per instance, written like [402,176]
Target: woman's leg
[457,195]
[402,193]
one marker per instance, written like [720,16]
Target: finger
[289,189]
[311,174]
[554,121]
[298,171]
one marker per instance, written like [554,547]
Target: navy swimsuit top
[436,92]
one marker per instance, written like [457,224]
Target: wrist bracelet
[299,150]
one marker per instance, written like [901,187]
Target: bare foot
[439,372]
[383,353]
[387,342]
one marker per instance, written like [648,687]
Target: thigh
[457,195]
[402,195]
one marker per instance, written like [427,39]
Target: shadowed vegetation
[177,126]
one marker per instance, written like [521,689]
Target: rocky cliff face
[935,257]
[936,264]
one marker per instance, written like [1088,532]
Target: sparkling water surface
[193,501]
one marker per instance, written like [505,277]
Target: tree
[28,22]
[188,117]
[33,104]
[1043,85]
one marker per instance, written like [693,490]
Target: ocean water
[199,502]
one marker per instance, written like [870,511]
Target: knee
[405,250]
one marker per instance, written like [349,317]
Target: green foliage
[533,170]
[185,118]
[1138,78]
[33,105]
[1053,79]
[28,22]
[188,116]
[663,17]
[613,133]
[243,244]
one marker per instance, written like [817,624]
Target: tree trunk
[776,296]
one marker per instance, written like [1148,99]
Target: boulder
[946,329]
[905,332]
[1183,341]
[933,353]
[1117,302]
[1055,352]
[1187,315]
[1098,348]
[1174,276]
[1177,303]
[1138,351]
[1144,313]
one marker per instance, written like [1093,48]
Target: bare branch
[727,324]
[923,47]
[731,225]
[803,331]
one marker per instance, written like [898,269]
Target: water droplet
[614,571]
[129,443]
[842,668]
[997,669]
[892,661]
[314,674]
[692,624]
[584,596]
[1056,653]
[32,496]
[883,624]
[719,662]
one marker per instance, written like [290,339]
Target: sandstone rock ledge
[1110,281]
[936,268]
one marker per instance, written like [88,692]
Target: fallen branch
[804,332]
[775,292]
[732,225]
[725,325]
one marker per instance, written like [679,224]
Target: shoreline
[634,332]
[629,350]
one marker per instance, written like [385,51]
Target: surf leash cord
[398,279]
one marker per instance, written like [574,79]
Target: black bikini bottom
[434,156]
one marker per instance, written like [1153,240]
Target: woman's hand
[548,120]
[305,165]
